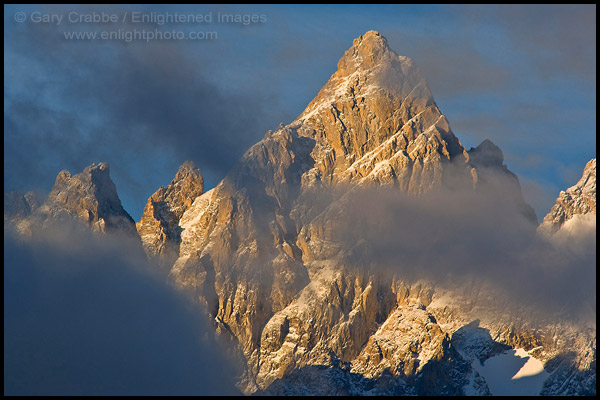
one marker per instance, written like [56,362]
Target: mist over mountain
[87,314]
[360,249]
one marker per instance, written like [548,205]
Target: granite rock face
[574,206]
[89,197]
[259,250]
[375,120]
[159,226]
[262,251]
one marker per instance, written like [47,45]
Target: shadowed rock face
[490,175]
[89,197]
[18,206]
[487,154]
[159,226]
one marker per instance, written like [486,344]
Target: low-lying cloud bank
[85,315]
[452,237]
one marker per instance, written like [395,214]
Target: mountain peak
[374,123]
[89,197]
[367,52]
[487,154]
[370,34]
[377,118]
[188,170]
[187,165]
[372,40]
[101,166]
[159,226]
[370,71]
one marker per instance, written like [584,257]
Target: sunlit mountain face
[360,248]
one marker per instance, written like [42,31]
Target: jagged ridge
[159,225]
[257,249]
[578,200]
[89,197]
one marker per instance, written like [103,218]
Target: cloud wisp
[453,237]
[143,107]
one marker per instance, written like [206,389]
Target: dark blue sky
[522,76]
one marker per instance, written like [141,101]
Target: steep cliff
[159,226]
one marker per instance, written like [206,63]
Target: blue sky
[522,76]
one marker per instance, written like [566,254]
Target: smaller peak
[488,145]
[187,165]
[190,173]
[90,197]
[94,168]
[102,166]
[63,176]
[591,164]
[487,154]
[186,169]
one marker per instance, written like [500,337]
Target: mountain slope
[574,207]
[334,255]
[260,249]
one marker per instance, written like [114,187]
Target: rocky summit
[375,120]
[260,250]
[159,226]
[270,253]
[89,198]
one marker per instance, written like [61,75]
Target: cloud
[542,143]
[452,65]
[70,103]
[146,107]
[539,195]
[84,315]
[554,40]
[451,237]
[139,98]
[561,39]
[521,75]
